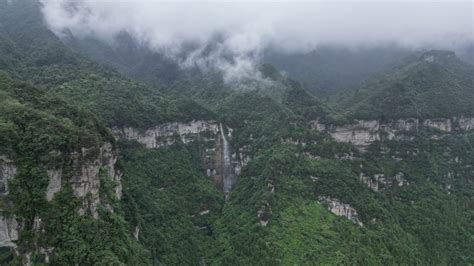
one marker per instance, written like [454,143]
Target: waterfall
[228,176]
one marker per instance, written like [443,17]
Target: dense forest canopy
[114,153]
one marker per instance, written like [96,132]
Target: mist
[239,31]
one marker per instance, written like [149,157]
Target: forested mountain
[329,70]
[113,154]
[431,84]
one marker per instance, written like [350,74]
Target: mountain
[330,70]
[57,161]
[432,84]
[107,156]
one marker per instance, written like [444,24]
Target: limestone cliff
[362,133]
[84,177]
[86,180]
[8,223]
[219,159]
[168,133]
[340,209]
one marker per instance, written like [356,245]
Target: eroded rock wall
[166,134]
[86,179]
[340,209]
[8,224]
[220,161]
[362,133]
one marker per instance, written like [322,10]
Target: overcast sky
[246,27]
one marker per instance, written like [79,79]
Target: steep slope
[32,52]
[68,90]
[61,184]
[433,84]
[330,70]
[305,192]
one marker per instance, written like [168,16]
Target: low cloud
[238,31]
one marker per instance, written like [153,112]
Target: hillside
[432,84]
[32,52]
[110,155]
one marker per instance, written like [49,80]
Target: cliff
[362,133]
[220,161]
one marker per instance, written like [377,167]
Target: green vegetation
[170,200]
[42,132]
[66,105]
[429,85]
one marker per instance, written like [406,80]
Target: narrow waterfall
[228,176]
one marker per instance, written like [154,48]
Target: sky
[245,28]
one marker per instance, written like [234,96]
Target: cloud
[239,30]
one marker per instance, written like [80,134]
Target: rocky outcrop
[220,162]
[264,214]
[167,134]
[86,179]
[87,167]
[8,230]
[54,185]
[8,170]
[8,224]
[379,182]
[362,133]
[340,209]
[466,123]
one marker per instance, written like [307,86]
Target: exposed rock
[220,163]
[372,183]
[291,141]
[86,180]
[47,253]
[440,124]
[466,123]
[54,185]
[379,182]
[264,214]
[8,230]
[109,159]
[165,134]
[400,180]
[363,133]
[204,212]
[340,209]
[37,223]
[27,259]
[8,224]
[8,170]
[136,232]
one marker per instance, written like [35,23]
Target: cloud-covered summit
[245,28]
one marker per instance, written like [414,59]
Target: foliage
[434,84]
[172,203]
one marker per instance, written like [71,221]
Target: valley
[113,153]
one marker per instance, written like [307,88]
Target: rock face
[54,184]
[221,164]
[86,180]
[87,166]
[167,134]
[340,209]
[379,182]
[8,230]
[8,224]
[363,133]
[7,171]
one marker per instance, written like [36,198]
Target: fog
[241,30]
